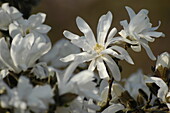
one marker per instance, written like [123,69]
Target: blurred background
[61,15]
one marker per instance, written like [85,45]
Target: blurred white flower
[163,92]
[139,31]
[163,60]
[8,15]
[136,82]
[80,84]
[59,50]
[78,105]
[34,25]
[26,97]
[23,52]
[97,52]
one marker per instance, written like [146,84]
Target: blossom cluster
[82,74]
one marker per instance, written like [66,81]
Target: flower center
[98,48]
[27,31]
[130,37]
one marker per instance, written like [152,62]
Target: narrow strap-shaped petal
[43,28]
[92,65]
[69,71]
[130,12]
[124,53]
[102,69]
[148,50]
[103,27]
[84,27]
[113,53]
[70,35]
[113,67]
[110,36]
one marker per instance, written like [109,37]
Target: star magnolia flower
[8,15]
[98,51]
[139,31]
[163,92]
[23,52]
[26,96]
[34,25]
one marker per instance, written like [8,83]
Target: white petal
[136,48]
[5,56]
[68,58]
[70,35]
[124,53]
[102,69]
[36,20]
[92,65]
[148,50]
[13,30]
[70,69]
[163,90]
[154,34]
[83,77]
[113,67]
[24,87]
[84,27]
[103,27]
[124,23]
[110,36]
[130,12]
[113,53]
[43,28]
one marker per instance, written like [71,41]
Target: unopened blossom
[23,52]
[98,51]
[163,91]
[8,14]
[163,60]
[34,24]
[139,31]
[25,97]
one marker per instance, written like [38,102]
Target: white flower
[8,15]
[163,92]
[26,96]
[163,60]
[139,31]
[80,84]
[34,25]
[23,52]
[78,105]
[97,52]
[136,82]
[59,50]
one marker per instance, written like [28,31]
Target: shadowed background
[61,15]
